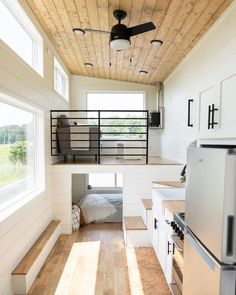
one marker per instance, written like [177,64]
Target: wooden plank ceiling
[180,24]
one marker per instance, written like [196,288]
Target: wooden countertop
[167,184]
[174,206]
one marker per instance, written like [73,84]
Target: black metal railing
[99,133]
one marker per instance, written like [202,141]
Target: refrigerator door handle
[230,236]
[207,256]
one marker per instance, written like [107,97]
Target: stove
[178,224]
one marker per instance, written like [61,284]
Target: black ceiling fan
[120,34]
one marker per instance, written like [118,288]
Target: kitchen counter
[167,184]
[174,206]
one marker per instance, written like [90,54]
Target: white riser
[23,283]
[137,238]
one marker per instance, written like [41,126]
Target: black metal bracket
[189,113]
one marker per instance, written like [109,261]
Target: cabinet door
[162,248]
[169,259]
[208,98]
[155,235]
[228,107]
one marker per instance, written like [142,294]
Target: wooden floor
[94,261]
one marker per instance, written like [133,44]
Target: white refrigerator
[210,238]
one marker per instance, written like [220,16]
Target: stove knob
[180,233]
[172,224]
[182,237]
[177,230]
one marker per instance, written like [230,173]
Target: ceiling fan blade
[97,31]
[139,29]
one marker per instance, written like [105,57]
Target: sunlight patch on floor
[80,272]
[135,281]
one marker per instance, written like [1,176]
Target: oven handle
[176,245]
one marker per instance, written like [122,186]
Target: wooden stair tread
[168,184]
[147,203]
[25,264]
[134,223]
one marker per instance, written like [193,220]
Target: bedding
[102,208]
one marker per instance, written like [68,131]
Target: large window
[105,180]
[118,102]
[115,101]
[18,32]
[61,80]
[18,152]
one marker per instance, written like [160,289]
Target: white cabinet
[155,232]
[209,108]
[161,240]
[227,94]
[217,106]
[162,247]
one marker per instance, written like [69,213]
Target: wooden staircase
[138,229]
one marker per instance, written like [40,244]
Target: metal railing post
[147,136]
[99,137]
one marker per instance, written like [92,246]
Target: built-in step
[147,204]
[136,233]
[29,267]
[147,211]
[134,223]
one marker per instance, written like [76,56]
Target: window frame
[57,67]
[39,155]
[17,11]
[104,187]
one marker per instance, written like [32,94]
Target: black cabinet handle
[168,248]
[189,113]
[211,116]
[213,123]
[155,223]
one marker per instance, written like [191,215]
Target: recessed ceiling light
[88,65]
[156,42]
[142,72]
[79,31]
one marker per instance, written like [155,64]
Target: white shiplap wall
[19,230]
[196,72]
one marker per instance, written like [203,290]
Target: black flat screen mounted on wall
[155,119]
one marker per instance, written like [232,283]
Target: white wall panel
[19,230]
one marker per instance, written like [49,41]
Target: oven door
[177,268]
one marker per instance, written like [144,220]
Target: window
[18,152]
[105,180]
[118,101]
[61,80]
[115,101]
[18,32]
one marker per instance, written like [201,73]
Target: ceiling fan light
[156,42]
[119,44]
[88,65]
[142,72]
[78,31]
